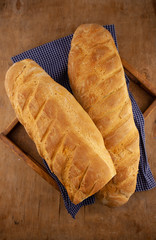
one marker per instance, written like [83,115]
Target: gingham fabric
[53,58]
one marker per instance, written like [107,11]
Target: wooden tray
[15,137]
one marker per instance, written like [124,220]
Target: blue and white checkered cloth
[53,58]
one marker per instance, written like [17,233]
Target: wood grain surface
[29,207]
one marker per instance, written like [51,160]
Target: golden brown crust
[97,79]
[64,134]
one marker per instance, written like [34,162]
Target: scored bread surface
[97,80]
[64,134]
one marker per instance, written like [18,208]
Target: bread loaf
[97,80]
[64,134]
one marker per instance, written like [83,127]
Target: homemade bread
[97,80]
[63,132]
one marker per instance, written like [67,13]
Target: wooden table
[29,207]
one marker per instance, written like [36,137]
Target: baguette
[64,134]
[97,80]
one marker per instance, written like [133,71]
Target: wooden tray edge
[10,126]
[38,168]
[135,75]
[150,109]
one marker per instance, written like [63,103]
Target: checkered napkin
[53,58]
